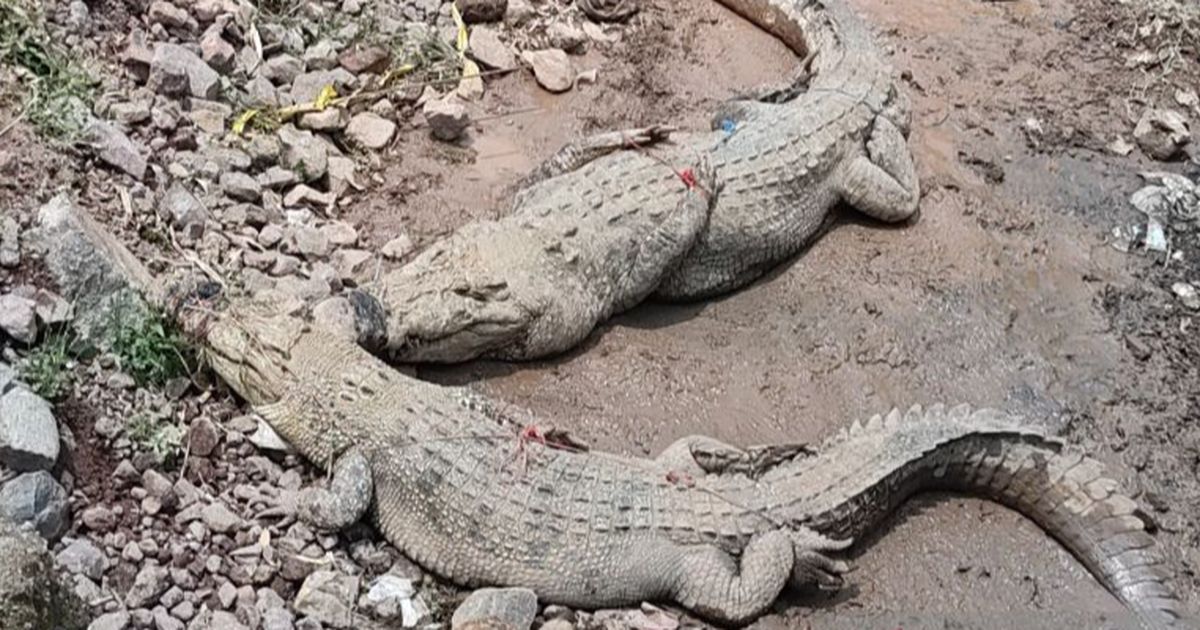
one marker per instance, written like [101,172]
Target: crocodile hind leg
[347,498]
[884,183]
[699,455]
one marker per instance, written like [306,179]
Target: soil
[1004,292]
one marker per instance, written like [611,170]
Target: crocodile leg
[668,242]
[347,498]
[575,154]
[884,183]
[698,455]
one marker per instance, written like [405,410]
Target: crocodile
[537,281]
[470,489]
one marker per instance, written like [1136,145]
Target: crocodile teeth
[914,414]
[960,412]
[894,417]
[875,423]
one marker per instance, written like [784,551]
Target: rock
[475,11]
[115,148]
[332,119]
[81,557]
[221,620]
[340,233]
[282,69]
[208,10]
[307,241]
[386,596]
[397,248]
[203,437]
[10,242]
[51,308]
[8,376]
[447,118]
[183,209]
[134,113]
[167,14]
[303,153]
[28,431]
[307,86]
[177,71]
[119,620]
[1188,295]
[32,595]
[488,50]
[1162,133]
[359,59]
[18,318]
[36,498]
[342,175]
[99,518]
[151,582]
[551,68]
[566,36]
[336,315]
[371,131]
[220,519]
[216,52]
[351,263]
[261,94]
[164,621]
[558,624]
[241,186]
[328,597]
[306,196]
[496,608]
[321,56]
[265,438]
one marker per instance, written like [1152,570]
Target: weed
[58,92]
[45,369]
[434,60]
[148,347]
[161,439]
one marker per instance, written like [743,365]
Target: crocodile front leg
[699,455]
[574,155]
[883,184]
[347,498]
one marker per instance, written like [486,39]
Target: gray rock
[397,248]
[51,308]
[336,315]
[332,119]
[177,71]
[264,150]
[447,118]
[282,69]
[203,437]
[115,148]
[307,241]
[307,86]
[1162,133]
[566,36]
[307,196]
[386,596]
[261,93]
[99,518]
[183,209]
[551,68]
[10,242]
[216,52]
[321,56]
[38,499]
[167,14]
[81,557]
[132,113]
[265,438]
[8,376]
[489,51]
[241,186]
[222,620]
[340,233]
[276,178]
[371,131]
[508,608]
[220,519]
[28,432]
[32,595]
[164,621]
[18,318]
[119,620]
[329,598]
[303,153]
[151,582]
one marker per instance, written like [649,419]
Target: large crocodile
[470,490]
[537,281]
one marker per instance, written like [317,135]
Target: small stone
[307,86]
[167,14]
[566,36]
[208,10]
[115,148]
[488,50]
[150,582]
[308,241]
[351,263]
[10,242]
[475,11]
[1188,295]
[52,309]
[447,118]
[336,316]
[18,318]
[99,518]
[111,621]
[270,235]
[340,233]
[220,519]
[558,624]
[1162,133]
[265,438]
[507,608]
[386,594]
[307,196]
[371,131]
[133,113]
[177,71]
[164,621]
[328,597]
[217,52]
[303,153]
[226,595]
[282,69]
[285,265]
[81,557]
[241,186]
[133,553]
[321,56]
[342,175]
[38,499]
[331,119]
[261,94]
[359,59]
[551,68]
[182,208]
[28,431]
[397,248]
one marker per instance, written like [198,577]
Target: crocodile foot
[812,567]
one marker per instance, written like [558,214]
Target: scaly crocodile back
[861,475]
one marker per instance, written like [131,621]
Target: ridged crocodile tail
[988,453]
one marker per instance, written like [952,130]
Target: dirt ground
[1004,293]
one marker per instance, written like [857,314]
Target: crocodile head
[468,319]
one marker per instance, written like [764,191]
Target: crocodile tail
[987,453]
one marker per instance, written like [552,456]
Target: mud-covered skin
[512,288]
[451,484]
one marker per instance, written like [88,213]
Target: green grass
[147,346]
[161,439]
[45,369]
[56,90]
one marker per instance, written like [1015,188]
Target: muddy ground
[1003,293]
